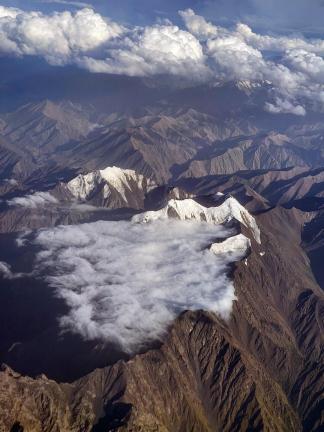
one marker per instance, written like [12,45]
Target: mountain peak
[124,186]
[189,209]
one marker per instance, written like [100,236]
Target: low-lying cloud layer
[126,282]
[201,51]
[33,200]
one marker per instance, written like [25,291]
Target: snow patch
[237,246]
[82,185]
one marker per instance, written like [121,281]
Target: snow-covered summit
[188,209]
[109,181]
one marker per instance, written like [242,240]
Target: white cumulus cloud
[234,59]
[200,52]
[159,49]
[58,37]
[197,25]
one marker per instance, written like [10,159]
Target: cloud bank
[60,38]
[126,282]
[33,200]
[198,52]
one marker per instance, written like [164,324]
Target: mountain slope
[40,128]
[111,187]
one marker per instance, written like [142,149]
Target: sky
[274,15]
[199,41]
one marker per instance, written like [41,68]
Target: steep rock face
[260,371]
[198,381]
[282,324]
[43,405]
[8,158]
[204,383]
[39,129]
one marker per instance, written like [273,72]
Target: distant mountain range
[190,132]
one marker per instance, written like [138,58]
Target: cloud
[154,50]
[202,52]
[59,37]
[11,182]
[5,270]
[197,25]
[278,44]
[126,282]
[235,59]
[6,273]
[33,200]
[307,63]
[284,106]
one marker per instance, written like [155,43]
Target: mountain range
[143,154]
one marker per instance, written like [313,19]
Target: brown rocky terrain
[260,371]
[264,188]
[190,132]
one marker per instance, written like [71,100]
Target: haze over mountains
[208,130]
[162,233]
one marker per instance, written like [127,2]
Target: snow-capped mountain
[111,187]
[186,209]
[83,198]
